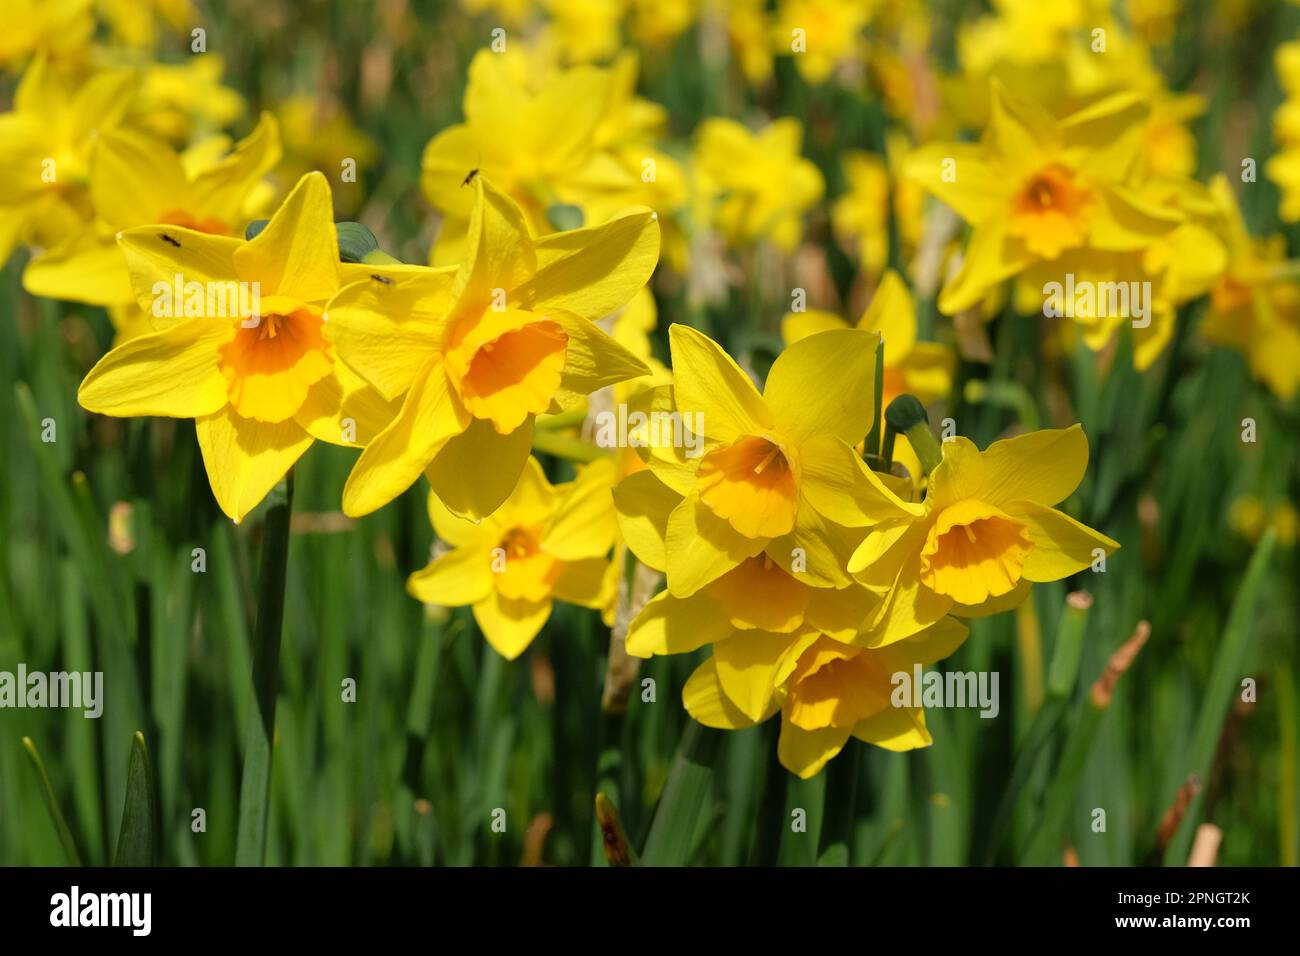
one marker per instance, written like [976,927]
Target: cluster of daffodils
[813,578]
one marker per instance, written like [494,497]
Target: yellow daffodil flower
[550,139]
[825,690]
[861,216]
[819,34]
[477,353]
[1035,188]
[135,181]
[45,146]
[755,185]
[1252,308]
[749,35]
[778,644]
[58,29]
[181,102]
[545,543]
[1176,268]
[987,530]
[772,473]
[1284,167]
[261,384]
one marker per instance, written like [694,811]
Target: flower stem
[872,446]
[685,800]
[770,824]
[255,786]
[906,414]
[838,817]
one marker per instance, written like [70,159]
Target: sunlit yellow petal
[391,463]
[297,253]
[801,395]
[245,459]
[459,577]
[1062,546]
[704,700]
[706,379]
[173,373]
[671,625]
[805,752]
[511,624]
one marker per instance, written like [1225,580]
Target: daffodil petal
[805,752]
[707,704]
[747,666]
[158,254]
[909,608]
[799,325]
[706,379]
[839,485]
[387,330]
[476,470]
[895,728]
[429,418]
[84,269]
[583,582]
[1042,466]
[960,176]
[173,373]
[343,410]
[222,190]
[701,547]
[245,458]
[297,254]
[995,605]
[1062,546]
[134,178]
[595,271]
[672,625]
[459,577]
[643,504]
[499,252]
[991,257]
[584,524]
[592,359]
[816,551]
[841,613]
[511,624]
[822,385]
[937,642]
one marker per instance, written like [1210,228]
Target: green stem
[838,816]
[255,786]
[1062,673]
[770,825]
[1223,687]
[685,799]
[52,805]
[872,447]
